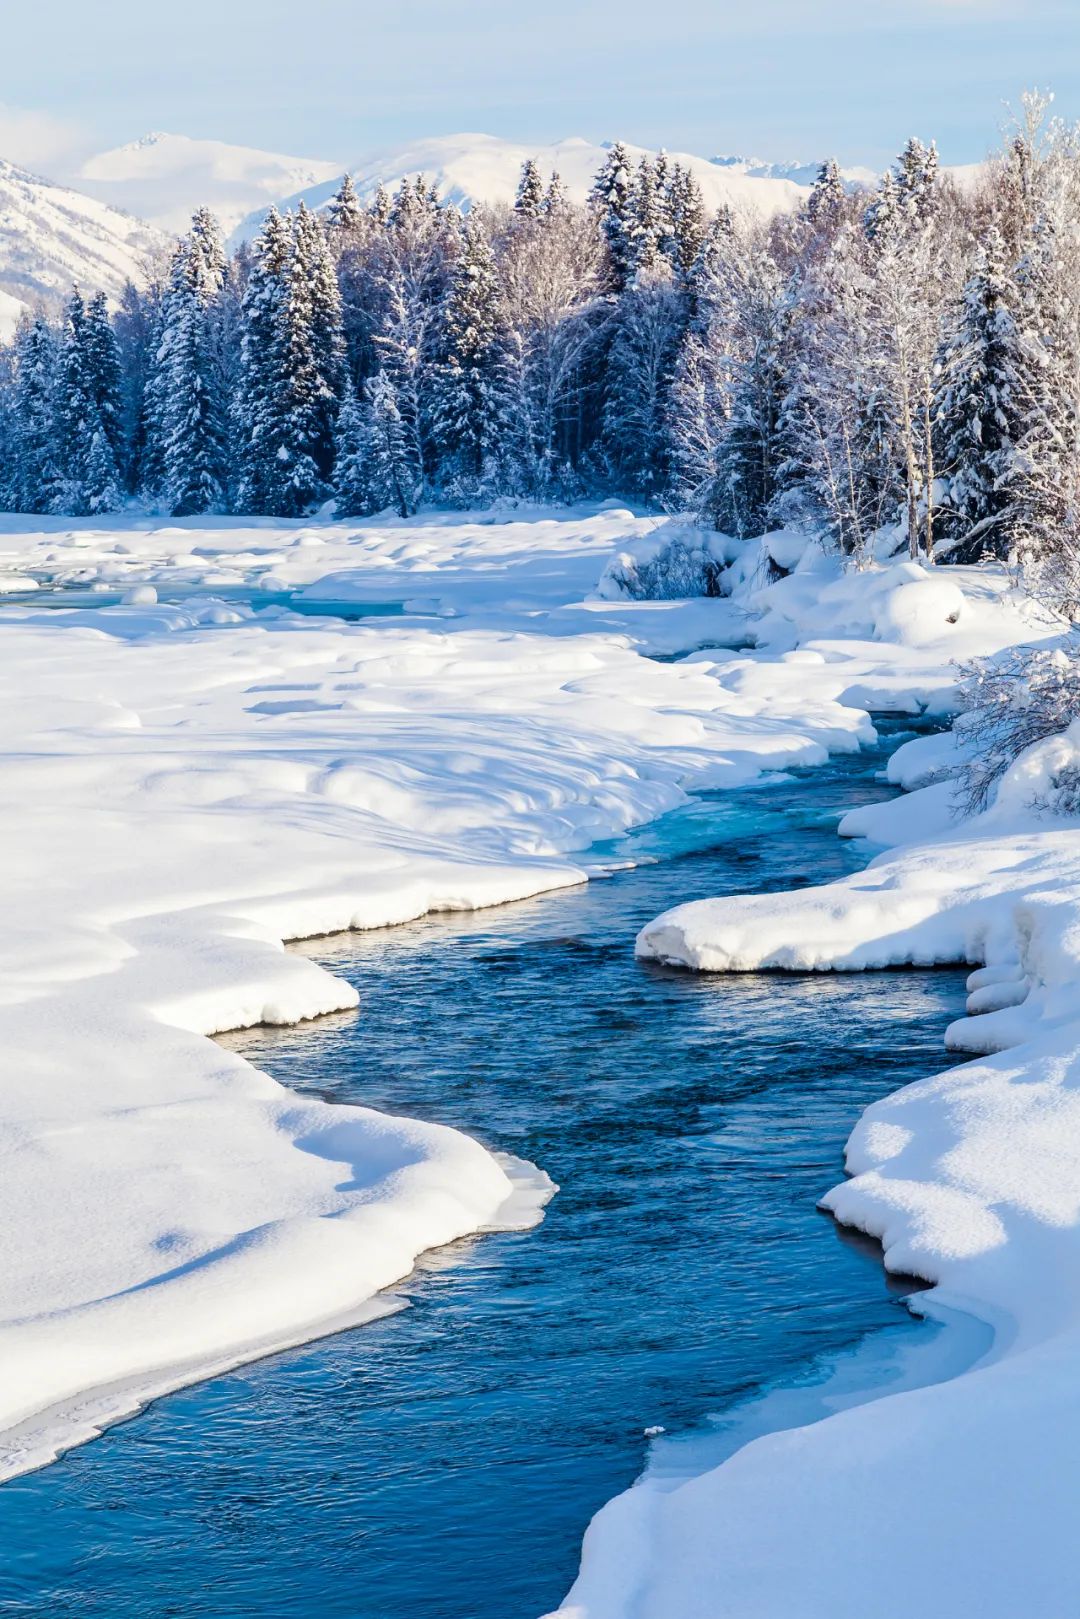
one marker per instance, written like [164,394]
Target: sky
[779,79]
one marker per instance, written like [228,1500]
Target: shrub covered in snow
[1012,703]
[672,563]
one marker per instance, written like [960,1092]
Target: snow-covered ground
[187,783]
[184,787]
[958,1498]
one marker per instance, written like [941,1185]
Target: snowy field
[189,783]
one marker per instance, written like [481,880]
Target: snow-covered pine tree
[689,224]
[476,389]
[641,360]
[825,204]
[351,491]
[393,477]
[611,196]
[314,266]
[977,414]
[753,452]
[402,345]
[88,481]
[881,218]
[381,206]
[1041,479]
[265,431]
[136,325]
[346,217]
[649,219]
[36,473]
[529,201]
[556,199]
[102,355]
[209,264]
[190,419]
[291,369]
[916,180]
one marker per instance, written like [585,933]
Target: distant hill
[164,178]
[470,169]
[51,236]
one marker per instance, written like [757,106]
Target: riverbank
[969,1180]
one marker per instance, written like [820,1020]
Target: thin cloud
[39,140]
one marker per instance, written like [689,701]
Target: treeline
[909,356]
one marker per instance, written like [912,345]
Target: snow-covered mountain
[484,168]
[164,178]
[51,237]
[800,174]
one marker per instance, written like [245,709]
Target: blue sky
[779,78]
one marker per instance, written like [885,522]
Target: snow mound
[672,563]
[920,612]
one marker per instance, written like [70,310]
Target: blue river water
[444,1461]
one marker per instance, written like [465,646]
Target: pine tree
[291,369]
[102,356]
[190,420]
[392,470]
[381,207]
[882,218]
[529,201]
[136,326]
[753,451]
[688,221]
[650,221]
[36,473]
[404,367]
[556,200]
[825,204]
[88,481]
[345,216]
[265,432]
[314,267]
[916,181]
[351,490]
[640,366]
[209,265]
[977,414]
[611,197]
[476,388]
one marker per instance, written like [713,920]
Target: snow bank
[970,1180]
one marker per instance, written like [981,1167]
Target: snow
[191,782]
[163,178]
[855,177]
[51,237]
[474,168]
[969,1180]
